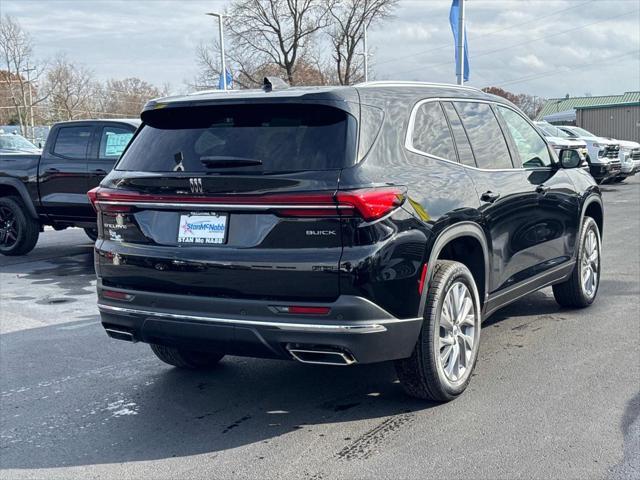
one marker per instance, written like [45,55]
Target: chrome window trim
[408,142]
[409,83]
[357,328]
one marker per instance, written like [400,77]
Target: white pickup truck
[603,156]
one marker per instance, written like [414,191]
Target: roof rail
[391,83]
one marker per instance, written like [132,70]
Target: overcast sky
[545,47]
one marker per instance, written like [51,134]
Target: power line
[556,71]
[489,52]
[445,45]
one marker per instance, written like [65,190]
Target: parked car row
[609,160]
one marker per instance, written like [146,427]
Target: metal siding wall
[622,123]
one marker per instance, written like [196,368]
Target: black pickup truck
[51,188]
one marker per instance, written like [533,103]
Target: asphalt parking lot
[556,393]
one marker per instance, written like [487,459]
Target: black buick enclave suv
[339,225]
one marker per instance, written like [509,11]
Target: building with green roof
[616,116]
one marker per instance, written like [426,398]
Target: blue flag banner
[454,15]
[229,81]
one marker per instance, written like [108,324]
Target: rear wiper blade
[224,162]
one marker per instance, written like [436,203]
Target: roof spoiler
[273,83]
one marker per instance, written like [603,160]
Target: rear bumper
[355,326]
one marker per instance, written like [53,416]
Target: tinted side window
[113,142]
[531,147]
[485,135]
[431,133]
[72,142]
[459,135]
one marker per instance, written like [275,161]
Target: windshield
[551,130]
[256,138]
[16,142]
[582,132]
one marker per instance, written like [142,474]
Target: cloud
[509,41]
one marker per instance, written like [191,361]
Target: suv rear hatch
[232,200]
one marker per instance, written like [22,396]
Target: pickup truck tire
[189,359]
[442,362]
[581,288]
[92,233]
[18,230]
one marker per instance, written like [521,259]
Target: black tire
[189,359]
[422,374]
[92,233]
[18,230]
[571,292]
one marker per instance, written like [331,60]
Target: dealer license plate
[209,229]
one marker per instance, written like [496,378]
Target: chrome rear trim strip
[297,327]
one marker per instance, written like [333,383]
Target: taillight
[93,196]
[97,197]
[370,203]
[367,203]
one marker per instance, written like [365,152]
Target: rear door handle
[489,196]
[99,171]
[542,189]
[51,171]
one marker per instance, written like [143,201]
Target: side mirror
[569,158]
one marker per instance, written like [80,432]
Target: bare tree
[19,74]
[126,97]
[271,35]
[71,91]
[349,18]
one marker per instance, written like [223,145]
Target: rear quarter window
[431,134]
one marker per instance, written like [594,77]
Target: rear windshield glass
[245,138]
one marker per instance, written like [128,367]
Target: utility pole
[28,72]
[460,44]
[222,61]
[366,55]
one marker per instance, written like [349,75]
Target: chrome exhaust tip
[121,335]
[322,357]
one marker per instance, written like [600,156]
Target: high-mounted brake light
[371,203]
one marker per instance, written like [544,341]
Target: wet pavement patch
[55,301]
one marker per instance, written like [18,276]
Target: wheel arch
[12,186]
[593,207]
[461,242]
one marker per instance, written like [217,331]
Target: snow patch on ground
[121,408]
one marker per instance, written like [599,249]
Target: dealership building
[616,116]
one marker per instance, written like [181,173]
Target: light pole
[222,61]
[28,71]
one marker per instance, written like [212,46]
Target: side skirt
[504,297]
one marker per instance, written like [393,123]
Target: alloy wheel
[590,264]
[459,325]
[8,227]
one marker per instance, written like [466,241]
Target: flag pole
[460,45]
